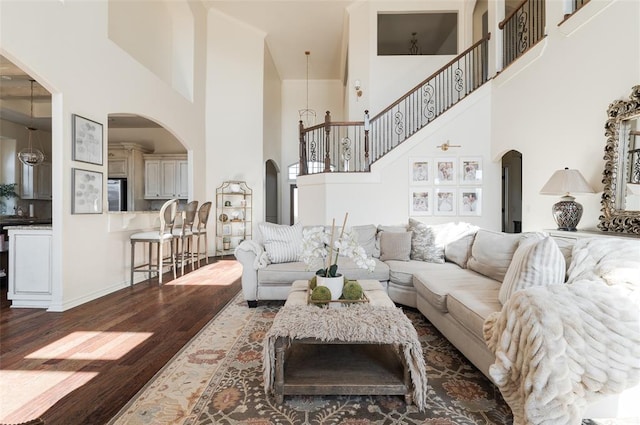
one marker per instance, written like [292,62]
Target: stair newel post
[303,151]
[327,149]
[367,127]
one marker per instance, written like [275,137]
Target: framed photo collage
[445,186]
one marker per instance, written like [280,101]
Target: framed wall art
[445,171]
[420,171]
[445,201]
[87,140]
[420,201]
[470,201]
[471,170]
[87,192]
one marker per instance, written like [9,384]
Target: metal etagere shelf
[233,216]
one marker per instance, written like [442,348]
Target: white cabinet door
[182,182]
[27,183]
[168,186]
[152,179]
[43,181]
[118,167]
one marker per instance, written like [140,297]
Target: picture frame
[445,171]
[87,191]
[88,140]
[445,201]
[226,230]
[420,201]
[470,201]
[420,171]
[471,171]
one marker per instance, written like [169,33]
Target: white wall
[234,116]
[324,95]
[551,105]
[387,78]
[65,47]
[382,196]
[272,111]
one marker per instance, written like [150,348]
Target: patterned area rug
[217,379]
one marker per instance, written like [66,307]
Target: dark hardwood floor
[81,366]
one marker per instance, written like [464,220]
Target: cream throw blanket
[558,347]
[361,322]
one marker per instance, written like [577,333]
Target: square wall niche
[434,33]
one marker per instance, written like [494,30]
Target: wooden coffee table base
[313,367]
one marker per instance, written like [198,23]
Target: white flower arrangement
[320,248]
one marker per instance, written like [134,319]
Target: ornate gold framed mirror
[621,176]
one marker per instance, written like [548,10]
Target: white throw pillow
[281,242]
[536,262]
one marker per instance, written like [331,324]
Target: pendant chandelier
[307,116]
[30,156]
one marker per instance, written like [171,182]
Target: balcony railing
[522,29]
[354,146]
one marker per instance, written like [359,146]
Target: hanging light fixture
[307,116]
[31,156]
[414,49]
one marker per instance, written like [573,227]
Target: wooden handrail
[510,15]
[452,61]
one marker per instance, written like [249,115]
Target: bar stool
[201,230]
[159,237]
[183,236]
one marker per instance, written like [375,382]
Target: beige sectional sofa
[457,292]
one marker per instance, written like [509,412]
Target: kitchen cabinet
[233,216]
[126,160]
[36,181]
[30,267]
[166,177]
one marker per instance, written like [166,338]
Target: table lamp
[567,213]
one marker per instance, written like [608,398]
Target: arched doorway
[271,192]
[512,192]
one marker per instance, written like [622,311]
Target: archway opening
[512,192]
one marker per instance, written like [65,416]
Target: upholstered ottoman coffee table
[367,348]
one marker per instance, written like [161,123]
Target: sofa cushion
[491,253]
[429,241]
[437,281]
[281,273]
[535,263]
[395,246]
[401,272]
[367,239]
[459,250]
[470,307]
[381,230]
[282,243]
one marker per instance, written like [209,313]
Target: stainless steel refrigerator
[117,194]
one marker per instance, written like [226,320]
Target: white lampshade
[564,182]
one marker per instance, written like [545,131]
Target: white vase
[335,285]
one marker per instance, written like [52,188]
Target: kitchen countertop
[11,220]
[32,227]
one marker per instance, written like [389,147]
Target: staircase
[355,146]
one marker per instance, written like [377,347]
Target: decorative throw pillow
[366,238]
[536,262]
[281,242]
[423,243]
[395,246]
[381,229]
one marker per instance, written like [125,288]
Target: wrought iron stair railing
[354,146]
[523,28]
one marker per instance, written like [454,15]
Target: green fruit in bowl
[313,282]
[352,291]
[321,293]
